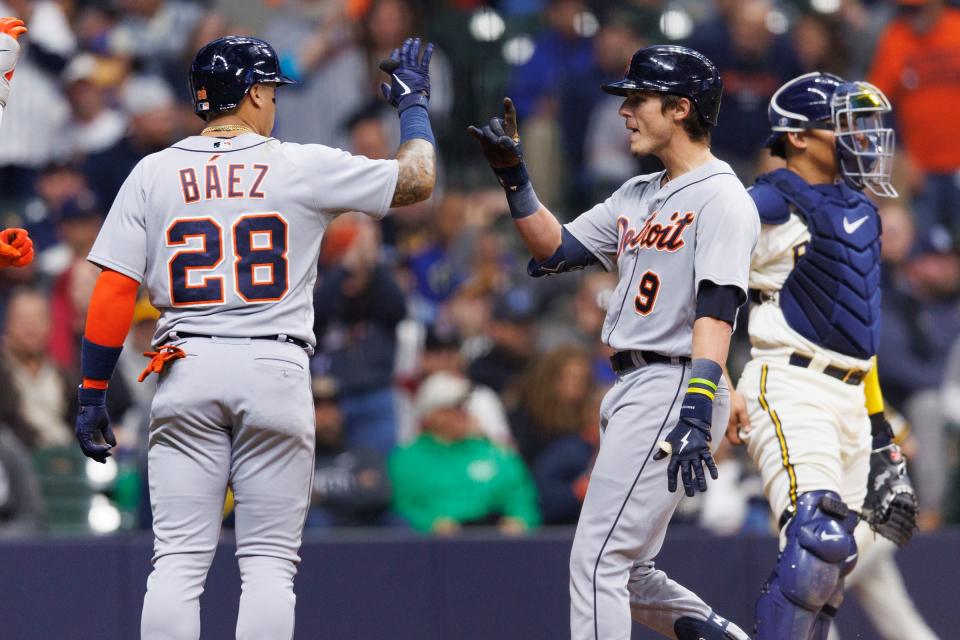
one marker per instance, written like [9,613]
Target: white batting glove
[10,30]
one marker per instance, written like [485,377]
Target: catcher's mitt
[891,504]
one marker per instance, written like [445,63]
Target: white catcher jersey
[664,242]
[225,233]
[777,252]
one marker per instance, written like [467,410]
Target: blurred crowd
[450,389]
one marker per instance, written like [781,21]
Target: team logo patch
[201,94]
[204,106]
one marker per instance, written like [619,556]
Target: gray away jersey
[225,233]
[665,241]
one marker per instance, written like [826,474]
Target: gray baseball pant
[235,412]
[627,508]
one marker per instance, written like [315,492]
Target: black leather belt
[848,376]
[276,338]
[626,361]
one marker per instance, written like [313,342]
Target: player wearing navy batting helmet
[224,230]
[680,240]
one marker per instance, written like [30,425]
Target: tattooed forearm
[417,172]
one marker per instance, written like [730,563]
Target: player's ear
[798,139]
[682,109]
[260,95]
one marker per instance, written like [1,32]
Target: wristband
[415,123]
[881,430]
[521,198]
[96,361]
[87,397]
[704,379]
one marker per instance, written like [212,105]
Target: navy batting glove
[688,446]
[409,75]
[93,424]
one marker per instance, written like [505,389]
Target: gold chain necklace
[226,128]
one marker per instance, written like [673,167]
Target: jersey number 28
[260,266]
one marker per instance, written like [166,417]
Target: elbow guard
[571,255]
[719,301]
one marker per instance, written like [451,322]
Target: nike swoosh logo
[406,89]
[830,536]
[850,227]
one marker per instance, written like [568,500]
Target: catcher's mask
[864,145]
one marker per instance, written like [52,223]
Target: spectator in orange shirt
[917,64]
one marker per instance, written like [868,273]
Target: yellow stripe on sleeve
[705,392]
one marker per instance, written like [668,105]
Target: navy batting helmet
[223,71]
[676,70]
[802,103]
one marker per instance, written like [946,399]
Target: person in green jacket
[450,477]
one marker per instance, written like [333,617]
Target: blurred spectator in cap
[510,341]
[450,477]
[37,112]
[149,103]
[920,324]
[442,352]
[916,64]
[42,388]
[369,135]
[358,307]
[78,222]
[94,126]
[56,183]
[753,62]
[350,484]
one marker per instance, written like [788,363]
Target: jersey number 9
[649,288]
[260,264]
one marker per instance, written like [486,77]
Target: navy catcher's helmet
[223,71]
[676,70]
[800,104]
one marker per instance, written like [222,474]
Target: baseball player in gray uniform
[224,231]
[681,241]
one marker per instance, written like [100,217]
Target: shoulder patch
[771,206]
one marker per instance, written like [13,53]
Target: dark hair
[778,147]
[211,115]
[695,126]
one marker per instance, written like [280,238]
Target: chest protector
[832,296]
